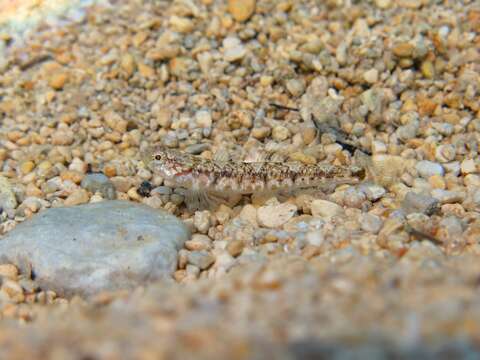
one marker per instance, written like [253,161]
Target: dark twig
[340,136]
[283,107]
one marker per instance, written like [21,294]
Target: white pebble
[325,209]
[371,76]
[273,216]
[203,118]
[233,49]
[373,191]
[78,165]
[201,221]
[468,166]
[379,147]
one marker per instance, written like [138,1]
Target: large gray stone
[101,246]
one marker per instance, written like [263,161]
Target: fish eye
[158,157]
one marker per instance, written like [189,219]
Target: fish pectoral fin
[226,198]
[198,200]
[206,200]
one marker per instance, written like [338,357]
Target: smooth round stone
[96,247]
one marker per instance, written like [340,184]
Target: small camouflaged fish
[209,179]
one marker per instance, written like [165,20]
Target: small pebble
[235,247]
[274,216]
[8,201]
[249,214]
[78,197]
[295,87]
[198,242]
[315,238]
[203,118]
[447,196]
[121,183]
[202,221]
[241,10]
[403,49]
[371,223]
[233,49]
[354,198]
[57,80]
[373,191]
[383,4]
[280,133]
[223,214]
[99,183]
[468,166]
[371,76]
[427,168]
[445,153]
[201,259]
[9,271]
[418,203]
[325,209]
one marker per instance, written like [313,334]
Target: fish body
[199,174]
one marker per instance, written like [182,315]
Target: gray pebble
[373,191]
[296,87]
[407,132]
[418,203]
[193,270]
[170,140]
[52,185]
[443,128]
[99,183]
[197,148]
[96,247]
[202,259]
[452,167]
[427,168]
[371,223]
[354,198]
[372,99]
[448,196]
[162,190]
[177,199]
[453,227]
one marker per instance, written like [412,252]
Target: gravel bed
[383,268]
